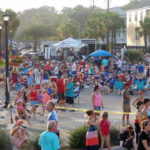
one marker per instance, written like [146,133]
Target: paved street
[70,120]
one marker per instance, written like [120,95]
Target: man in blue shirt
[49,140]
[52,114]
[105,63]
[141,69]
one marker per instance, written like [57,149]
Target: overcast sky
[20,5]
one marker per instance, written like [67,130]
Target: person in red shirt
[60,91]
[105,130]
[33,100]
[47,67]
[76,79]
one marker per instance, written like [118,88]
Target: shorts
[96,78]
[61,97]
[74,72]
[45,81]
[55,100]
[20,107]
[69,100]
[98,108]
[126,108]
[38,81]
[34,103]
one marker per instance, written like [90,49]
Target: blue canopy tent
[100,53]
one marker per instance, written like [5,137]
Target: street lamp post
[6,19]
[0,41]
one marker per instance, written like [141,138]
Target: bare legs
[123,119]
[107,138]
[33,111]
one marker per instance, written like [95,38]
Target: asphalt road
[70,120]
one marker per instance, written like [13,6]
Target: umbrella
[101,53]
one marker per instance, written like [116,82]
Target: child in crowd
[19,101]
[49,89]
[105,130]
[45,99]
[54,92]
[92,141]
[40,96]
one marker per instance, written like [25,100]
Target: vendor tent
[69,43]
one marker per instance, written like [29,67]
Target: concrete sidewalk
[115,148]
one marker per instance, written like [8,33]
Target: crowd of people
[46,84]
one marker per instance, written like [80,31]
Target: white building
[134,16]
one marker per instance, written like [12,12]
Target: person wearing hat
[126,103]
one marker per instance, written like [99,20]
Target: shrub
[35,144]
[114,135]
[32,145]
[77,137]
[134,56]
[4,140]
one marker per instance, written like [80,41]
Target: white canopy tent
[69,43]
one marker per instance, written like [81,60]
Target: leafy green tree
[115,23]
[42,16]
[79,14]
[130,4]
[145,30]
[67,29]
[12,24]
[95,25]
[134,56]
[37,32]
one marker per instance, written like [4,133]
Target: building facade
[134,16]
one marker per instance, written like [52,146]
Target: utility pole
[107,45]
[107,5]
[93,4]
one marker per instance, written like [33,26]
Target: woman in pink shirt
[97,99]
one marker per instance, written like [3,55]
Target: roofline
[137,8]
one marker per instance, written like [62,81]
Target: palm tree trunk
[114,41]
[107,38]
[145,41]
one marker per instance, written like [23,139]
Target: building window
[149,39]
[135,16]
[141,15]
[137,34]
[130,17]
[147,13]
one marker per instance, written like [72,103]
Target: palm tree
[145,30]
[116,22]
